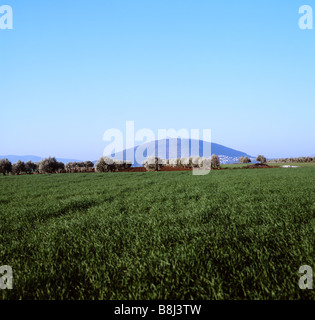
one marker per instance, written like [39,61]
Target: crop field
[232,234]
[243,165]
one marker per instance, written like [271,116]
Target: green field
[243,165]
[233,234]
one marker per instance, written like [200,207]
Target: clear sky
[70,70]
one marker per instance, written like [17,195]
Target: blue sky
[70,70]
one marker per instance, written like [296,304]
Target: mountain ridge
[141,152]
[226,154]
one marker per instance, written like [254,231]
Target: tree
[68,166]
[153,164]
[195,161]
[88,164]
[244,160]
[30,167]
[205,163]
[74,165]
[105,164]
[18,167]
[50,165]
[80,165]
[185,162]
[5,166]
[60,166]
[127,164]
[172,162]
[261,159]
[215,161]
[247,160]
[119,165]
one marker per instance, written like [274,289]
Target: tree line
[106,164]
[47,165]
[293,160]
[155,164]
[259,158]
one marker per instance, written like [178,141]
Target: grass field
[233,234]
[243,165]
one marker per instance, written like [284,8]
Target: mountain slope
[177,148]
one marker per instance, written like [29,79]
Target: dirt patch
[175,169]
[260,165]
[134,169]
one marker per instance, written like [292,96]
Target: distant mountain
[14,158]
[165,149]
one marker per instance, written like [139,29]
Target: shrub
[68,166]
[60,167]
[215,161]
[88,164]
[50,165]
[74,165]
[247,160]
[205,163]
[185,162]
[119,164]
[261,159]
[105,164]
[244,160]
[5,166]
[174,163]
[200,162]
[153,164]
[30,167]
[195,161]
[286,160]
[18,167]
[308,159]
[127,164]
[80,164]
